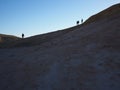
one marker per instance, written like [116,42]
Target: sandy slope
[87,58]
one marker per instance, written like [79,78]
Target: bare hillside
[5,40]
[107,13]
[84,57]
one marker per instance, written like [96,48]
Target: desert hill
[84,57]
[38,39]
[105,14]
[108,14]
[7,38]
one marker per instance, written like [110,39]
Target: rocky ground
[85,58]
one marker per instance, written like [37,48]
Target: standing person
[77,22]
[81,21]
[22,35]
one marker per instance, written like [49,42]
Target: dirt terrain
[83,57]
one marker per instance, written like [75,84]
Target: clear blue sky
[33,17]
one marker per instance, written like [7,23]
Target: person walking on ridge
[81,21]
[77,22]
[22,35]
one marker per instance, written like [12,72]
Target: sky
[34,17]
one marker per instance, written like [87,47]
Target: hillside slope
[6,40]
[85,58]
[108,14]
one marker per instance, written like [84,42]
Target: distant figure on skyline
[81,21]
[77,22]
[22,35]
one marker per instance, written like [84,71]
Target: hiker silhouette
[22,35]
[81,21]
[77,22]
